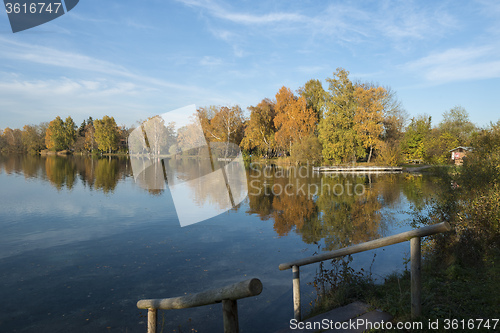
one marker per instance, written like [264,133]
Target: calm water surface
[81,243]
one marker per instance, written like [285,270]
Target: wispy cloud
[37,54]
[219,11]
[413,20]
[345,21]
[458,64]
[211,61]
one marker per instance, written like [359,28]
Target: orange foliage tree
[294,120]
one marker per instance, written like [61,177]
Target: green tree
[413,143]
[315,96]
[456,122]
[336,128]
[437,146]
[259,132]
[69,133]
[106,134]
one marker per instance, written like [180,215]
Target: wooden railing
[227,295]
[415,254]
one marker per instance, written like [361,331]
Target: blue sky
[135,59]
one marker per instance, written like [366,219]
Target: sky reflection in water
[81,243]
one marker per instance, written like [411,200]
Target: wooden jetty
[360,169]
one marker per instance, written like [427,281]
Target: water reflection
[111,248]
[62,172]
[337,210]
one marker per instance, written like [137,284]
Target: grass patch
[453,292]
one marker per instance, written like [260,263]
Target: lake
[81,242]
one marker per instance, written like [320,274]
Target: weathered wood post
[413,235]
[296,292]
[152,320]
[230,316]
[227,295]
[416,302]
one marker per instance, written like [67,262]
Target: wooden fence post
[230,316]
[152,320]
[416,302]
[296,292]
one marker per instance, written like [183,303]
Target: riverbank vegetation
[461,270]
[348,122]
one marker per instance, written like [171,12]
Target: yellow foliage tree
[368,119]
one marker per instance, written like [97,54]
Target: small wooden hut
[458,154]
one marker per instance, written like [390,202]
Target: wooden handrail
[374,244]
[413,236]
[227,295]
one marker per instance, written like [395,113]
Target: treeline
[348,122]
[102,135]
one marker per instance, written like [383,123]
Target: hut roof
[464,148]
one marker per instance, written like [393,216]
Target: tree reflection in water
[335,210]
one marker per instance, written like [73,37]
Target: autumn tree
[315,96]
[413,143]
[60,134]
[2,141]
[368,118]
[159,136]
[294,120]
[190,140]
[106,134]
[308,150]
[336,130]
[89,143]
[54,136]
[259,132]
[222,124]
[12,139]
[81,133]
[33,137]
[227,124]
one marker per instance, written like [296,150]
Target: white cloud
[458,64]
[37,54]
[352,23]
[211,61]
[244,18]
